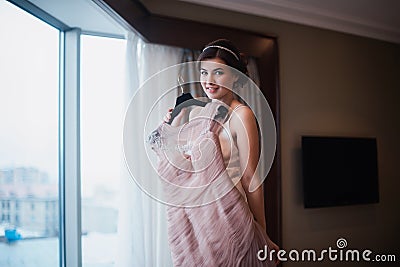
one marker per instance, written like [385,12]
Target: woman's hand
[273,246]
[167,116]
[178,118]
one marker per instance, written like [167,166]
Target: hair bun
[244,59]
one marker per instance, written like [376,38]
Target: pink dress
[209,222]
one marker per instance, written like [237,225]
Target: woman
[217,79]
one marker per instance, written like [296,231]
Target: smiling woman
[216,78]
[222,71]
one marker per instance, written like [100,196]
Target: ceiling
[379,19]
[84,14]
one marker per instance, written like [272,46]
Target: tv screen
[339,171]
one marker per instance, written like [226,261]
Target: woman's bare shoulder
[243,116]
[243,112]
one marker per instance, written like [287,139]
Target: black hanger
[183,101]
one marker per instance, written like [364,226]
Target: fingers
[167,116]
[277,261]
[274,247]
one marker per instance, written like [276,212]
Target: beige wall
[338,85]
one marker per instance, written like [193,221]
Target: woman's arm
[245,129]
[247,139]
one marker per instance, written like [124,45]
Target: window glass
[102,110]
[29,95]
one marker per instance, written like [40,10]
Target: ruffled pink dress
[209,222]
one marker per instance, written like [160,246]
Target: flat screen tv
[339,171]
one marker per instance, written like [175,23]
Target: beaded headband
[224,48]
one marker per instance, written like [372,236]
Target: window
[29,163]
[29,95]
[102,110]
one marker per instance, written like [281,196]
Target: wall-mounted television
[339,171]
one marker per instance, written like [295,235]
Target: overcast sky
[28,91]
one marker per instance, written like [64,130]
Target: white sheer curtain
[142,229]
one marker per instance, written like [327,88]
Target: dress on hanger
[209,222]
